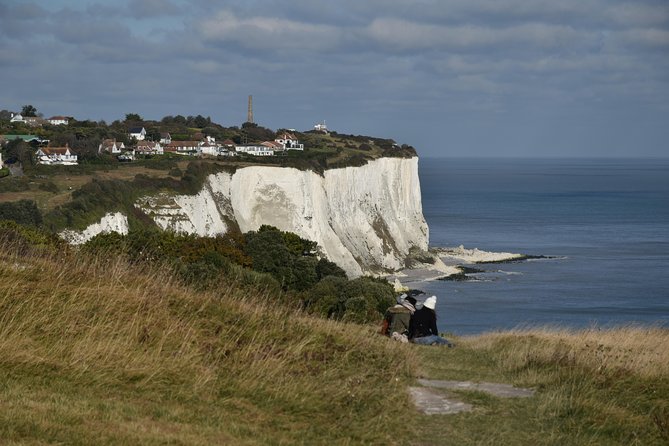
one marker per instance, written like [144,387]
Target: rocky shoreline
[452,264]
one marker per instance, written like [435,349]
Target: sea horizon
[605,221]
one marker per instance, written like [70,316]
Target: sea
[603,223]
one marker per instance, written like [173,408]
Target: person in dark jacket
[397,318]
[423,325]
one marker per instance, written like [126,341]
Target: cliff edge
[366,218]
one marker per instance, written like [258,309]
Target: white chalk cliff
[111,222]
[365,219]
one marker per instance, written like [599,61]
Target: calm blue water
[606,220]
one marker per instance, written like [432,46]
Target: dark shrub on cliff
[362,300]
[23,212]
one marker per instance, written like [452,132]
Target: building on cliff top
[56,156]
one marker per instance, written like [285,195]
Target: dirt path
[432,402]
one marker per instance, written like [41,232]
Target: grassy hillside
[97,351]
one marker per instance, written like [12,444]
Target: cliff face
[366,219]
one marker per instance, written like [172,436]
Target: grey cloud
[650,37]
[269,33]
[406,35]
[153,8]
[638,14]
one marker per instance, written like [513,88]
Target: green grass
[593,387]
[96,351]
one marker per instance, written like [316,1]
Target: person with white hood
[423,325]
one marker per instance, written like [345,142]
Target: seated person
[423,325]
[397,318]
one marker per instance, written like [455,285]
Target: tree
[133,117]
[18,150]
[29,110]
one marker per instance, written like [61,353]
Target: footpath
[431,401]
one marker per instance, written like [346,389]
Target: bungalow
[289,141]
[111,146]
[148,148]
[183,147]
[273,145]
[208,148]
[256,150]
[58,120]
[139,133]
[56,156]
[165,138]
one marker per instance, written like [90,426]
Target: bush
[15,184]
[362,300]
[23,212]
[24,238]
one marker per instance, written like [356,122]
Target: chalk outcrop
[366,219]
[111,222]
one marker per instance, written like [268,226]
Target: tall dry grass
[197,367]
[627,350]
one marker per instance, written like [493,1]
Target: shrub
[23,212]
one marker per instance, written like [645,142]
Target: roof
[165,135]
[59,118]
[136,130]
[26,138]
[272,145]
[146,144]
[56,150]
[287,135]
[183,144]
[228,142]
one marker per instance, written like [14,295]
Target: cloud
[153,8]
[269,33]
[405,35]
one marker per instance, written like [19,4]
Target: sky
[478,78]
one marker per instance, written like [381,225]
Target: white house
[183,147]
[30,120]
[321,127]
[165,138]
[58,120]
[111,146]
[56,156]
[149,148]
[208,148]
[139,133]
[289,141]
[255,150]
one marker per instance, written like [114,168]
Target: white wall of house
[140,136]
[255,150]
[58,120]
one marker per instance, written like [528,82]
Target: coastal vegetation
[108,349]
